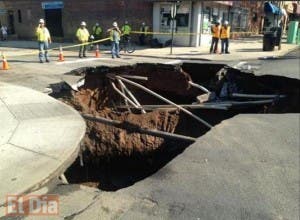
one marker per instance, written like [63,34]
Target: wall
[74,11]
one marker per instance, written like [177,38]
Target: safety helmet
[83,23]
[126,22]
[115,24]
[218,21]
[225,22]
[42,21]
[97,24]
[143,23]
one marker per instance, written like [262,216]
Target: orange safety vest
[216,31]
[225,32]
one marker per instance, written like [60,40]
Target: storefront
[162,22]
[192,17]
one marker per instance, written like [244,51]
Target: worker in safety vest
[115,36]
[82,35]
[96,34]
[44,39]
[225,34]
[215,31]
[126,30]
[144,29]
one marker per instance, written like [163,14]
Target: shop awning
[273,9]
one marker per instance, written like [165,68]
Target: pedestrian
[44,39]
[82,35]
[126,29]
[4,32]
[225,34]
[144,29]
[115,35]
[96,34]
[215,30]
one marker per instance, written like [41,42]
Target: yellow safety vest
[112,35]
[97,30]
[42,34]
[216,31]
[126,29]
[225,32]
[82,34]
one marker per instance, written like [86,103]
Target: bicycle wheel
[130,47]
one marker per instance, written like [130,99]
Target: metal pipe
[199,87]
[126,101]
[196,106]
[165,100]
[258,96]
[131,95]
[134,77]
[124,96]
[152,132]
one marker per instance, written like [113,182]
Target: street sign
[52,5]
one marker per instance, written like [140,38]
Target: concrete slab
[40,139]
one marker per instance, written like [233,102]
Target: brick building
[63,17]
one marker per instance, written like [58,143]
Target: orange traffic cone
[97,53]
[5,65]
[61,55]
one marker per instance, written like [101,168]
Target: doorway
[54,22]
[11,22]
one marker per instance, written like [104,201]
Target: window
[182,20]
[19,16]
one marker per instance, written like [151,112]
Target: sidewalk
[241,49]
[39,139]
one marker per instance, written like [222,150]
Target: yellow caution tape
[105,39]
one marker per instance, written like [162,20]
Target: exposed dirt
[118,156]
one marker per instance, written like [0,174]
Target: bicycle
[126,45]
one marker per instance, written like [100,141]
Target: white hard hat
[115,24]
[143,23]
[41,21]
[83,23]
[226,22]
[97,24]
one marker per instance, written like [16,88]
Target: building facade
[197,16]
[63,17]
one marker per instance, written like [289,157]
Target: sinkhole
[132,133]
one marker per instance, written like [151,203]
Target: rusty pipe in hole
[157,133]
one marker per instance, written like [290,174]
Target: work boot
[227,52]
[48,61]
[80,56]
[41,61]
[118,56]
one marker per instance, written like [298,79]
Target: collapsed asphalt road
[124,152]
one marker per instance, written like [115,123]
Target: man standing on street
[115,35]
[44,39]
[82,35]
[225,34]
[96,33]
[215,30]
[144,29]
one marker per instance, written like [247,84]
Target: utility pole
[173,16]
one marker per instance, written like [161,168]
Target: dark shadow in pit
[118,172]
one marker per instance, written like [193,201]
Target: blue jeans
[225,45]
[43,48]
[115,48]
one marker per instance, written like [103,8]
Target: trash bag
[155,43]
